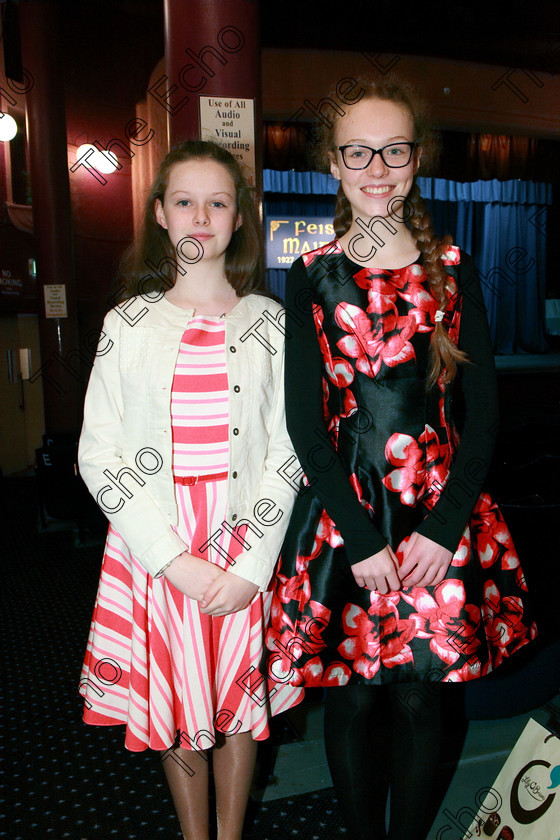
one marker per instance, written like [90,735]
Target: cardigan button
[234,517]
[234,474]
[232,349]
[236,431]
[236,388]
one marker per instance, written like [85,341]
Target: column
[212,48]
[48,163]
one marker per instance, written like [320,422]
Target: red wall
[106,74]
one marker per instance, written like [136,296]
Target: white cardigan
[125,452]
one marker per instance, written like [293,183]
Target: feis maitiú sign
[289,236]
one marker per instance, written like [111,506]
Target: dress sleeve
[446,521]
[306,425]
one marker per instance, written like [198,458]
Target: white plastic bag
[524,801]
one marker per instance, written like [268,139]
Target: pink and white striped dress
[153,661]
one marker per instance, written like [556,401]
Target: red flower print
[412,287]
[423,318]
[333,426]
[338,370]
[380,281]
[391,345]
[325,250]
[487,548]
[289,644]
[502,621]
[387,343]
[353,320]
[402,450]
[409,284]
[357,487]
[452,256]
[326,533]
[463,552]
[421,467]
[337,673]
[382,304]
[314,673]
[471,670]
[349,403]
[437,618]
[378,637]
[492,536]
[348,407]
[296,588]
[326,391]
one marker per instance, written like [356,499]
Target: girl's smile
[377,190]
[374,123]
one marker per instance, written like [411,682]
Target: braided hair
[444,353]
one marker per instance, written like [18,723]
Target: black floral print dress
[381,459]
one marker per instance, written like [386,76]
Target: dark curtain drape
[501,223]
[463,156]
[284,146]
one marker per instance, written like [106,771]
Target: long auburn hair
[244,261]
[445,354]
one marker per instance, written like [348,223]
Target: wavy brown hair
[445,354]
[244,262]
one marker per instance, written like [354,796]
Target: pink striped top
[199,400]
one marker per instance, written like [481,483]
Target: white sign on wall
[55,301]
[230,122]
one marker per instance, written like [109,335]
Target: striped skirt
[154,662]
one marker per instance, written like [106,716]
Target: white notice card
[230,122]
[55,301]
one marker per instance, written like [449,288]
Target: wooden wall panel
[464,96]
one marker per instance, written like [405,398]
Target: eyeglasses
[394,155]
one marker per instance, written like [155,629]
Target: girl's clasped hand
[219,592]
[424,563]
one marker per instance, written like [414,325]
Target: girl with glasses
[398,572]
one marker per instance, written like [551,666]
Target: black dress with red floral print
[382,458]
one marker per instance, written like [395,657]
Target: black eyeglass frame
[411,145]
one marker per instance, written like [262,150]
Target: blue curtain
[292,203]
[502,224]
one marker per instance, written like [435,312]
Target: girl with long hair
[183,445]
[398,573]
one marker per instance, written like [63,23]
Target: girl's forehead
[199,172]
[380,118]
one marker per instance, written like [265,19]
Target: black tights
[381,736]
